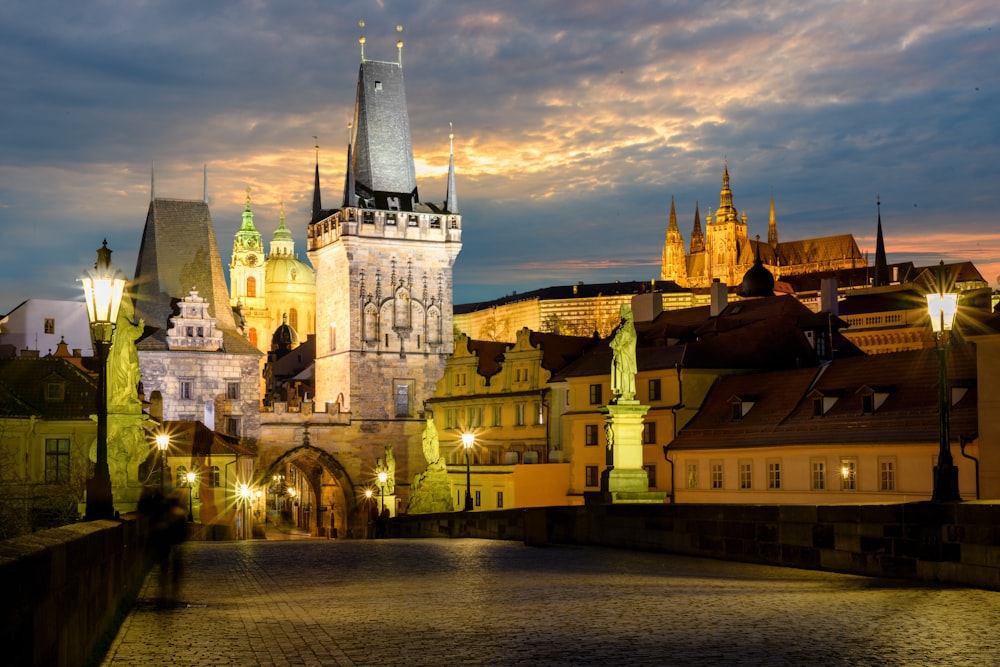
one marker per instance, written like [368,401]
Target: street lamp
[245,495]
[162,442]
[383,477]
[102,287]
[468,440]
[190,480]
[942,308]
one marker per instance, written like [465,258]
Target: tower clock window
[251,284]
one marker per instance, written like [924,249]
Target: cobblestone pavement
[471,602]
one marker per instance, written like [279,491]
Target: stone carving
[431,491]
[386,464]
[123,362]
[623,364]
[432,446]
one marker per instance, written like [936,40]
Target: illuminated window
[519,414]
[716,472]
[251,286]
[774,475]
[746,475]
[252,336]
[497,413]
[887,474]
[692,475]
[849,474]
[818,475]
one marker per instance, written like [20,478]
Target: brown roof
[783,413]
[24,382]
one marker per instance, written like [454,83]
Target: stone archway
[336,510]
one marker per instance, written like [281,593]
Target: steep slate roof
[179,252]
[783,410]
[23,382]
[808,251]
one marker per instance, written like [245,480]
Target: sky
[575,122]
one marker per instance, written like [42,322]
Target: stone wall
[64,588]
[946,543]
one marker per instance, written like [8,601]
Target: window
[233,391]
[774,474]
[818,475]
[887,474]
[590,473]
[451,418]
[293,318]
[746,475]
[187,389]
[818,406]
[251,286]
[378,85]
[849,474]
[233,425]
[737,411]
[404,389]
[213,476]
[56,460]
[650,475]
[519,414]
[716,472]
[252,336]
[692,475]
[497,412]
[590,435]
[595,394]
[539,411]
[654,389]
[461,379]
[478,498]
[499,499]
[649,433]
[50,325]
[55,392]
[868,404]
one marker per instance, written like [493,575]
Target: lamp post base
[946,484]
[468,502]
[99,500]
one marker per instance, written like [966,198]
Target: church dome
[757,281]
[285,337]
[287,270]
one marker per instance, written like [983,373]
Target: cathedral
[724,252]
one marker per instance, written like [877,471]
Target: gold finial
[399,27]
[361,23]
[248,197]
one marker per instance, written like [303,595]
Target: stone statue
[431,445]
[387,464]
[123,362]
[623,364]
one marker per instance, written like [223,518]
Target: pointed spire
[772,227]
[317,212]
[697,238]
[247,215]
[451,198]
[672,225]
[350,198]
[881,278]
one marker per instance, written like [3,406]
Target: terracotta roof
[784,415]
[193,438]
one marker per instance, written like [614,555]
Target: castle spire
[697,238]
[673,263]
[451,198]
[881,277]
[317,210]
[349,197]
[772,227]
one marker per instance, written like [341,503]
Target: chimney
[646,307]
[828,296]
[720,297]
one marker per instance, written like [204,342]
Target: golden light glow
[190,478]
[942,309]
[468,440]
[162,441]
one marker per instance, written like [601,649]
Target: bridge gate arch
[336,506]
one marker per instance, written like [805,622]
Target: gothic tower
[727,245]
[383,266]
[673,265]
[246,276]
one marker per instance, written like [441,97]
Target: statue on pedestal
[431,491]
[623,364]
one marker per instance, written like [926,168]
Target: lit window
[497,412]
[251,286]
[849,474]
[887,474]
[716,475]
[519,414]
[746,475]
[692,475]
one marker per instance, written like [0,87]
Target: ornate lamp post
[102,287]
[468,440]
[190,480]
[383,477]
[162,442]
[245,493]
[942,308]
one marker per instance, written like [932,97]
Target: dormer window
[823,402]
[741,405]
[55,392]
[872,398]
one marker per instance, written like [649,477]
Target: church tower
[673,265]
[728,248]
[246,276]
[383,266]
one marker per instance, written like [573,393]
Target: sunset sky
[575,123]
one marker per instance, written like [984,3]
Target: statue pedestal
[625,480]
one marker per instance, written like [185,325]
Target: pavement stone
[306,602]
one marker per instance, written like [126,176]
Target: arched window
[251,286]
[293,318]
